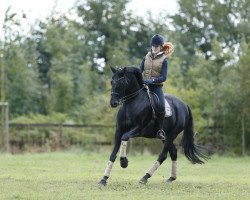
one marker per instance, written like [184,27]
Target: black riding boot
[159,121]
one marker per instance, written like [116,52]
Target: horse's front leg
[134,132]
[112,159]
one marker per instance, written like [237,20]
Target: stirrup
[161,134]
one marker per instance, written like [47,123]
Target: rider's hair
[168,49]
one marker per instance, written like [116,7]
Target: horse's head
[118,84]
[124,80]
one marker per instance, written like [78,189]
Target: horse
[135,119]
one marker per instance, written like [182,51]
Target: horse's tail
[192,151]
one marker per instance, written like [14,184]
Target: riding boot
[160,121]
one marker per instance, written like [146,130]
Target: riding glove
[148,81]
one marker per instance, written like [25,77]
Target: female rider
[154,67]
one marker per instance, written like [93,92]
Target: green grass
[75,176]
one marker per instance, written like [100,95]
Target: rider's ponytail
[168,49]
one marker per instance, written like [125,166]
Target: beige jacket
[153,66]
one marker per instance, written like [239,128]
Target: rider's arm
[164,73]
[142,64]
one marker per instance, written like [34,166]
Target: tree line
[61,67]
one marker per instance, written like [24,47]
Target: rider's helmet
[157,40]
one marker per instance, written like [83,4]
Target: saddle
[155,104]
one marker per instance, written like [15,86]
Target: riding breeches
[157,89]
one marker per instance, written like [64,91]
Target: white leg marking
[154,168]
[174,169]
[108,168]
[123,148]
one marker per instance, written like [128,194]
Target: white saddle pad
[168,111]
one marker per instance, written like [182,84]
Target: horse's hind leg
[168,147]
[173,155]
[162,157]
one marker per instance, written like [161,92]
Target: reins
[125,98]
[129,96]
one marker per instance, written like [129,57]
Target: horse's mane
[137,72]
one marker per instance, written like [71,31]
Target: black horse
[135,119]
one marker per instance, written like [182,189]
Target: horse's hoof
[143,181]
[123,162]
[102,183]
[171,179]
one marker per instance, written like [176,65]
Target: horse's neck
[138,95]
[133,87]
[137,110]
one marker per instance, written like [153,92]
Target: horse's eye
[111,82]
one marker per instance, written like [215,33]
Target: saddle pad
[168,111]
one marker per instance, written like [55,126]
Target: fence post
[5,109]
[7,128]
[60,134]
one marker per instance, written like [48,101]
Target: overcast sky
[40,9]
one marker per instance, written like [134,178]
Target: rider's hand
[148,81]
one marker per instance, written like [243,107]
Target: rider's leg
[160,121]
[161,113]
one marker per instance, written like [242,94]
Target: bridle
[122,99]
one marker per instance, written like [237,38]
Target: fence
[60,128]
[92,137]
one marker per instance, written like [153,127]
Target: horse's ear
[113,70]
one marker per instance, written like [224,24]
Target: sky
[40,9]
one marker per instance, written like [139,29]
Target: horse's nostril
[113,103]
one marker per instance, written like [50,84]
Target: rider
[154,67]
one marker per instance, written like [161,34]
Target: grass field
[75,176]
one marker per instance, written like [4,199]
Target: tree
[206,78]
[237,106]
[18,57]
[199,22]
[63,65]
[115,33]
